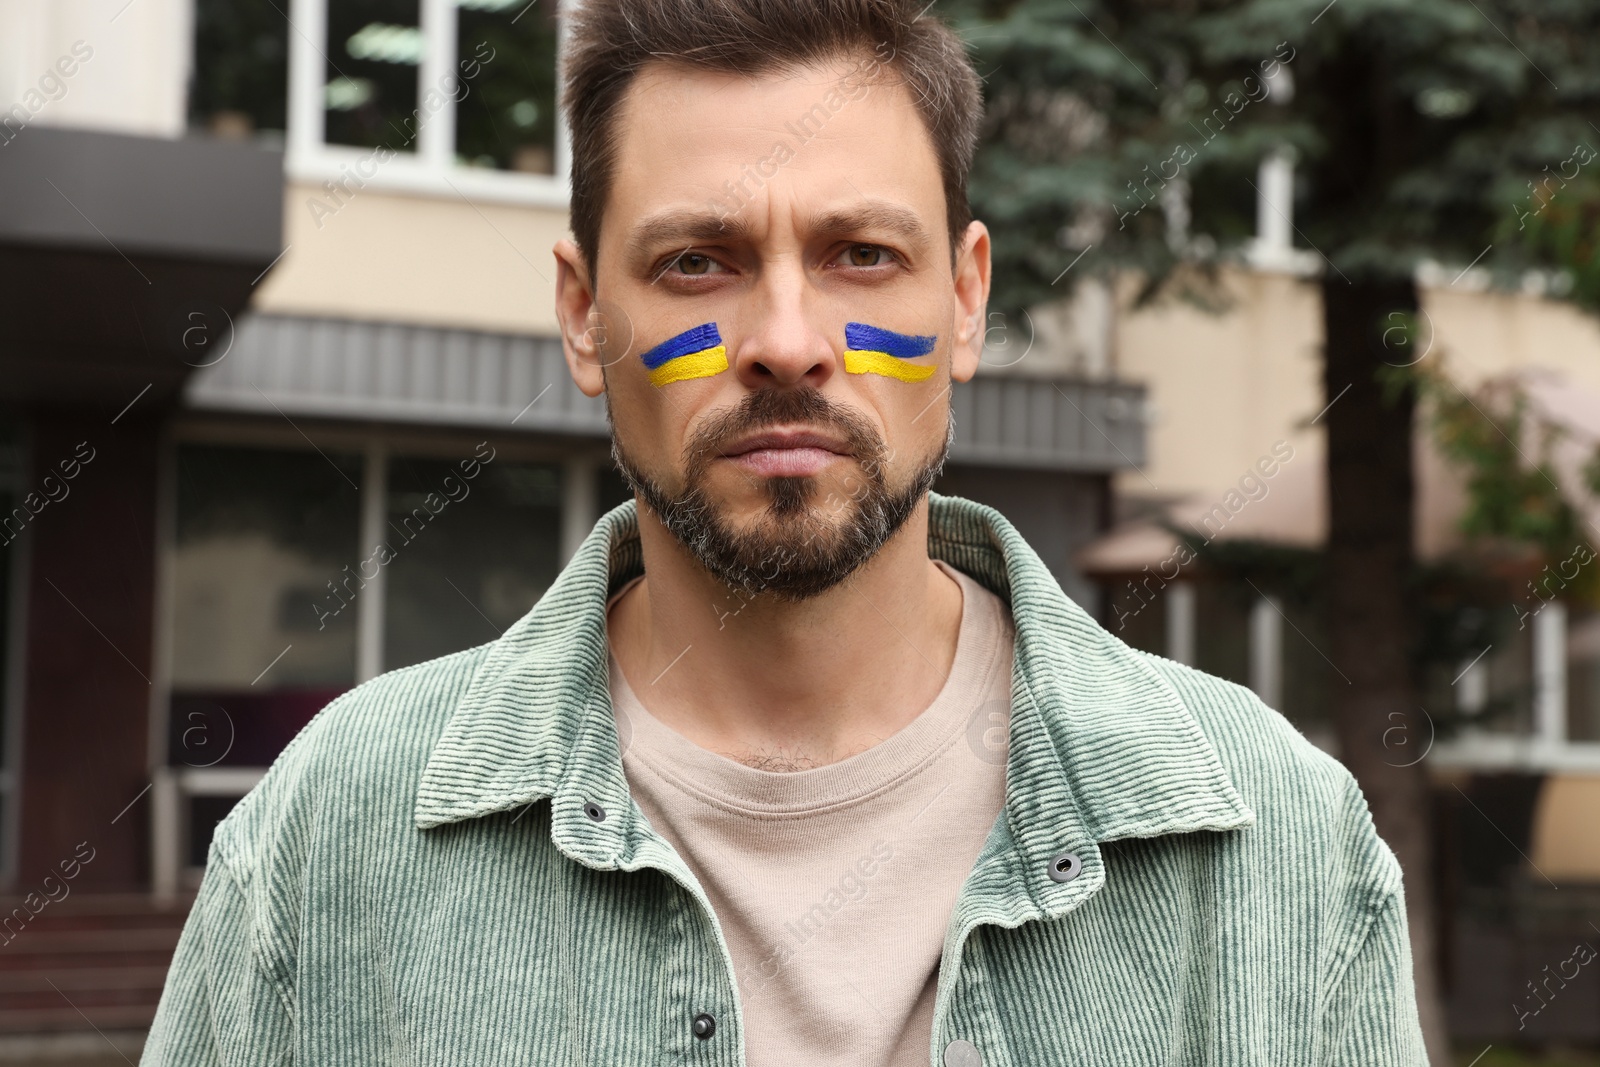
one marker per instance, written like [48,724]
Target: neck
[784,685]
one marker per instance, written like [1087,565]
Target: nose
[784,345]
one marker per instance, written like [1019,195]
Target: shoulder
[1306,801]
[369,743]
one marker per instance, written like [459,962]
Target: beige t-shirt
[834,885]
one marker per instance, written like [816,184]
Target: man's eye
[694,263]
[864,255]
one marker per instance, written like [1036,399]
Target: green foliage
[1419,126]
[1564,229]
[1514,497]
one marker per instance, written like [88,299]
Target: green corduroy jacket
[445,867]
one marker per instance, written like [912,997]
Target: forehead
[814,138]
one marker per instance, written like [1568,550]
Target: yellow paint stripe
[702,364]
[865,361]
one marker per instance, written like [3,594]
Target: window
[1222,629]
[450,97]
[1583,670]
[239,83]
[281,597]
[509,120]
[471,556]
[261,538]
[1308,678]
[370,73]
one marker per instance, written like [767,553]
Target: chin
[750,499]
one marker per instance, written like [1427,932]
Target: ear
[582,326]
[972,302]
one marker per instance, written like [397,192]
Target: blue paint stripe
[689,341]
[859,335]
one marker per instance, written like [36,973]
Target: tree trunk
[1370,624]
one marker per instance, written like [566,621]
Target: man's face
[764,215]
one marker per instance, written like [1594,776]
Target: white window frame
[1545,747]
[431,169]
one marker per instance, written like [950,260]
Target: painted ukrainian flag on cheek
[696,353]
[872,350]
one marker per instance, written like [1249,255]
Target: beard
[791,549]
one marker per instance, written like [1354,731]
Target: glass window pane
[470,555]
[240,80]
[1583,673]
[613,490]
[374,52]
[203,813]
[507,119]
[1510,705]
[262,636]
[1222,629]
[1138,614]
[1308,678]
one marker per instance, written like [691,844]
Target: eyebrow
[682,229]
[897,220]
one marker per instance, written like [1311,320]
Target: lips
[786,453]
[777,440]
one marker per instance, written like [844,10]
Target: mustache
[779,407]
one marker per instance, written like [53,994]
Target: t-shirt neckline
[725,782]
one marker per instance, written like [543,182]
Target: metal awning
[122,257]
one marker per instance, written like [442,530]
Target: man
[795,763]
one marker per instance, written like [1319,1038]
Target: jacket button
[704,1026]
[1065,867]
[594,811]
[962,1054]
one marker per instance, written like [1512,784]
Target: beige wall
[1565,845]
[1479,334]
[416,259]
[1226,386]
[135,81]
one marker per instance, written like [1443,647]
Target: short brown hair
[610,40]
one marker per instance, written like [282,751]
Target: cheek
[647,423]
[911,420]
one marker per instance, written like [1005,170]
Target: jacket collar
[1101,747]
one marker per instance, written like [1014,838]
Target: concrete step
[82,978]
[33,943]
[84,963]
[66,1017]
